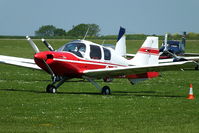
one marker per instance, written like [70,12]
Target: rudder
[148,54]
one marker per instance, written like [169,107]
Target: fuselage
[79,55]
[73,58]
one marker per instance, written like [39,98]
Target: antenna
[86,33]
[103,41]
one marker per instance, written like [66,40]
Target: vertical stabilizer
[148,54]
[120,47]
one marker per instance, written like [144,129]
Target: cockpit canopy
[92,51]
[78,49]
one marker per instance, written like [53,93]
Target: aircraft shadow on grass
[20,90]
[43,80]
[145,94]
[115,93]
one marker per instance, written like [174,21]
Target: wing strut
[104,90]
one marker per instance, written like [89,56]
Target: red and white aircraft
[88,60]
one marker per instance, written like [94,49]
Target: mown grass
[157,105]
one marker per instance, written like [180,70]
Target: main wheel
[50,89]
[106,90]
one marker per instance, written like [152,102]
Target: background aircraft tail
[148,54]
[120,47]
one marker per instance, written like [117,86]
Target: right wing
[23,62]
[130,70]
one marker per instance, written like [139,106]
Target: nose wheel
[50,89]
[57,82]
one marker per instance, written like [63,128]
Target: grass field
[157,105]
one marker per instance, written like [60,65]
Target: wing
[195,58]
[191,54]
[192,58]
[23,62]
[113,72]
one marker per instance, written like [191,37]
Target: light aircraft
[173,46]
[172,51]
[90,61]
[170,48]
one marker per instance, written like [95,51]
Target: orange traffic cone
[191,96]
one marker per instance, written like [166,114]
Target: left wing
[23,62]
[113,72]
[191,54]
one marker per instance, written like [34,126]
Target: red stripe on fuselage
[68,64]
[148,50]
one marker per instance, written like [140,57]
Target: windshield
[75,48]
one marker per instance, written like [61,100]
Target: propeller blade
[50,70]
[34,46]
[47,44]
[166,48]
[165,42]
[173,55]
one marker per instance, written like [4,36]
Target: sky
[24,17]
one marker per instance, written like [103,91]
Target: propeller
[166,47]
[34,46]
[47,44]
[176,58]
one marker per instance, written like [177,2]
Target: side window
[95,52]
[107,54]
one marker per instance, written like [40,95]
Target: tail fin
[148,54]
[120,47]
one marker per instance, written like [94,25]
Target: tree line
[76,31]
[80,30]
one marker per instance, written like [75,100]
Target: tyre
[50,89]
[106,90]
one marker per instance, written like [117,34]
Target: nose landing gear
[52,88]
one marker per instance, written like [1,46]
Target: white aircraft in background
[90,61]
